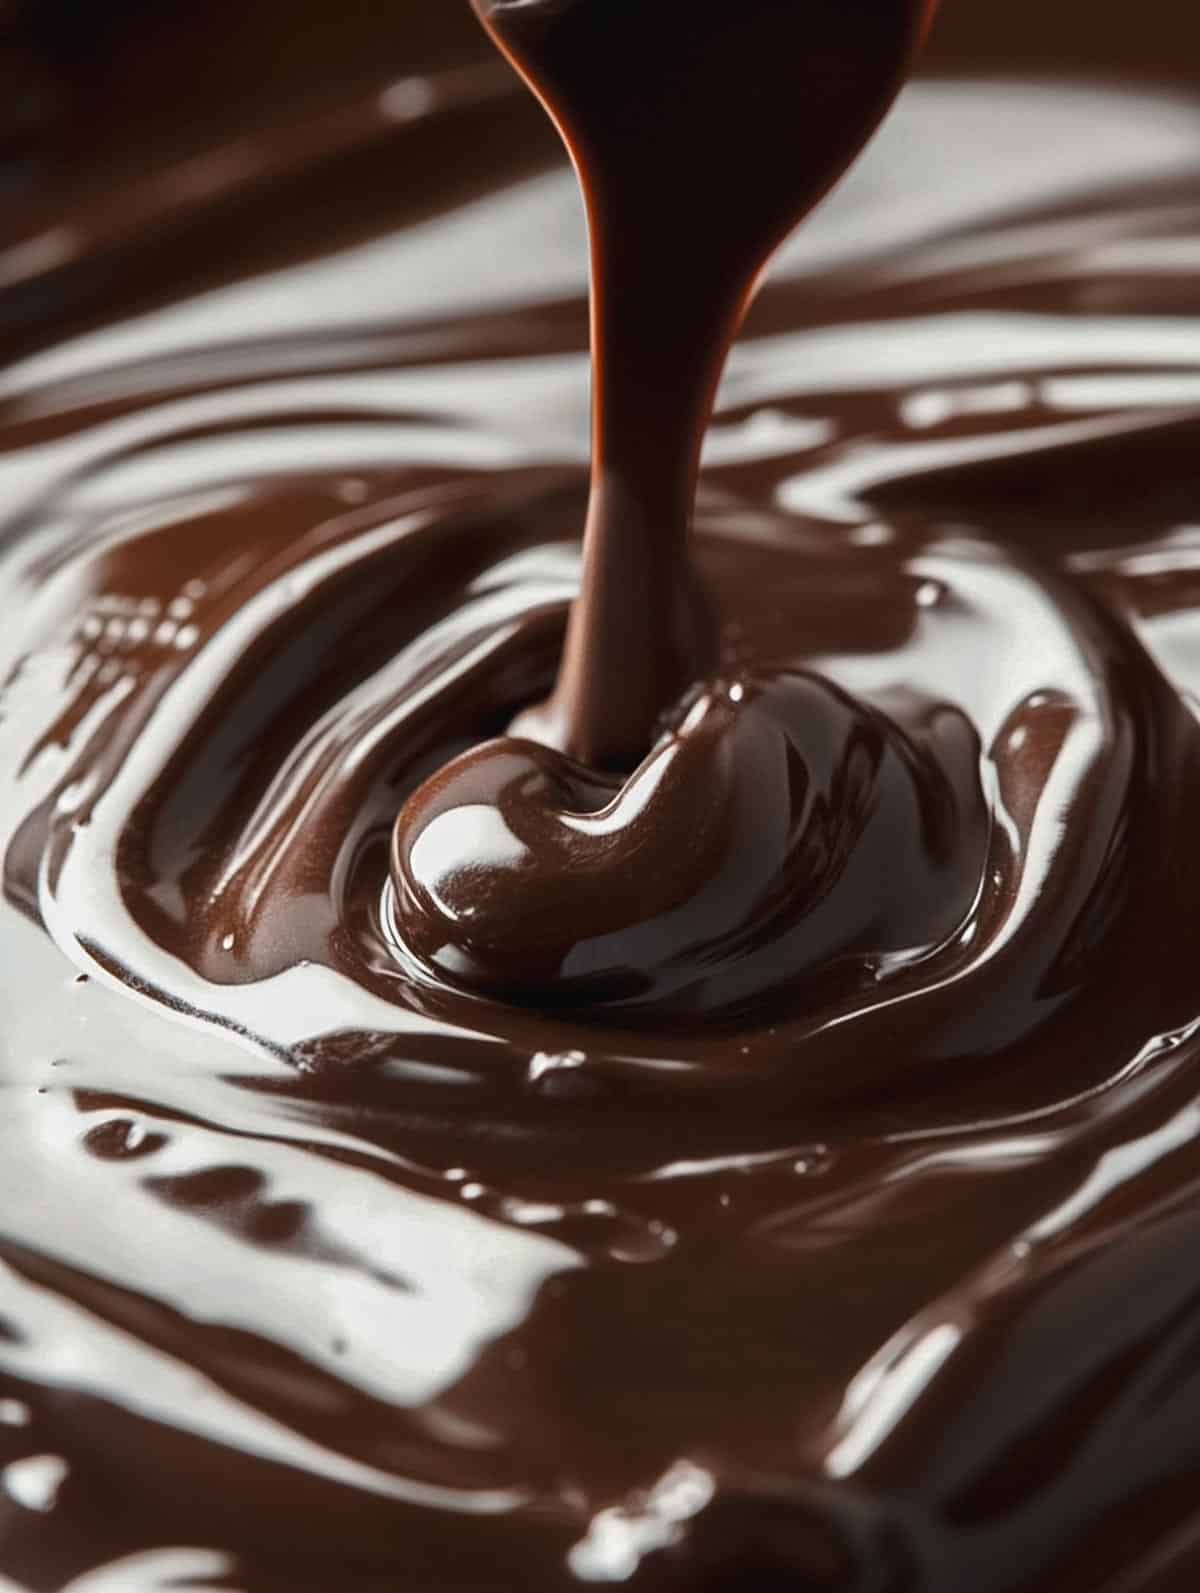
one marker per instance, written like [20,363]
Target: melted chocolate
[821,1215]
[748,115]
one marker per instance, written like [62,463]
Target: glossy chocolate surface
[799,1190]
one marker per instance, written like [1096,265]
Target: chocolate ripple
[869,844]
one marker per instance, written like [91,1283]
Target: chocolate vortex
[780,830]
[321,1269]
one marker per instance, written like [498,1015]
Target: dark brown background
[1052,35]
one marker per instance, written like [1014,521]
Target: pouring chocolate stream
[702,131]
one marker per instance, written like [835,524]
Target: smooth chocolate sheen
[746,1139]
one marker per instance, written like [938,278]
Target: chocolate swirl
[777,831]
[787,842]
[866,840]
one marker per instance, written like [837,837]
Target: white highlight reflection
[619,1539]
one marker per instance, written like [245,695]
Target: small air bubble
[544,1062]
[408,99]
[121,1138]
[35,1483]
[558,1073]
[873,535]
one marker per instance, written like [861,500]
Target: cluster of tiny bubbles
[601,1227]
[116,624]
